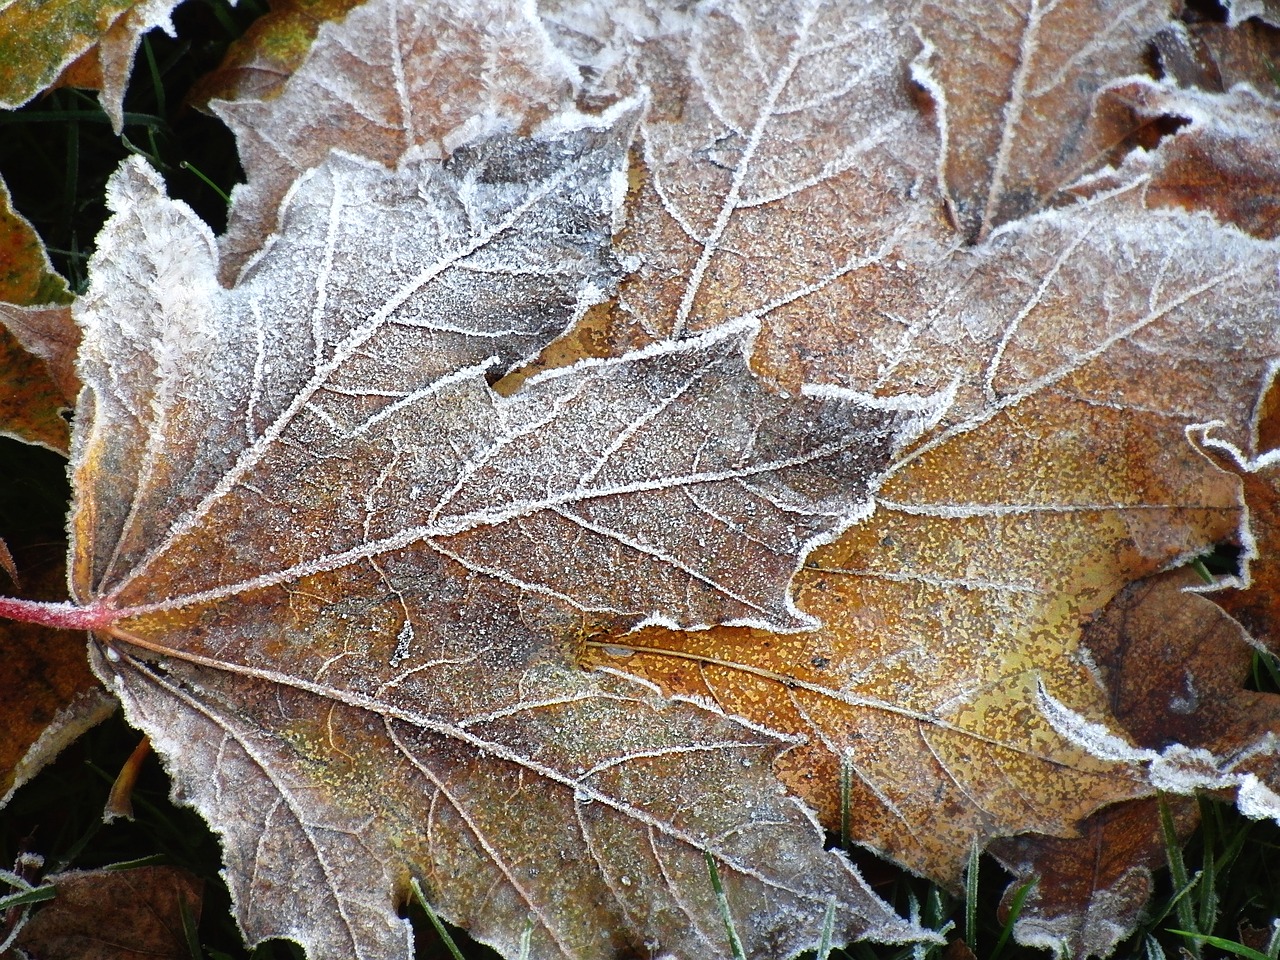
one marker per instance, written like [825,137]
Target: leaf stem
[60,616]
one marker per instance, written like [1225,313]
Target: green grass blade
[828,929]
[212,186]
[189,931]
[157,85]
[526,940]
[735,944]
[1230,946]
[1015,910]
[147,861]
[1178,871]
[24,897]
[1207,912]
[1199,567]
[1265,670]
[436,922]
[971,899]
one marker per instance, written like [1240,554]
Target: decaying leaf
[1254,602]
[859,406]
[1060,474]
[49,696]
[1174,665]
[115,914]
[1013,85]
[1217,57]
[1089,892]
[38,41]
[1239,11]
[399,76]
[36,375]
[1223,162]
[257,64]
[430,531]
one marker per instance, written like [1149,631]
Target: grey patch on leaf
[382,282]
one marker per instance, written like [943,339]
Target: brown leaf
[49,334]
[316,690]
[48,694]
[30,404]
[1240,10]
[1221,162]
[1217,57]
[112,914]
[37,350]
[257,64]
[941,621]
[1092,891]
[1254,602]
[349,589]
[1012,85]
[1174,666]
[410,75]
[1059,473]
[8,565]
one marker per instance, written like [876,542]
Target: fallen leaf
[1238,11]
[1221,162]
[9,566]
[115,914]
[49,334]
[1253,600]
[1175,667]
[341,572]
[35,380]
[1216,57]
[403,76]
[38,41]
[315,690]
[1012,85]
[48,693]
[30,404]
[1060,472]
[257,64]
[1091,891]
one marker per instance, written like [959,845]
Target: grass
[1219,896]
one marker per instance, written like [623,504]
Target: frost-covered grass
[1223,889]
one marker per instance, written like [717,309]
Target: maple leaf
[1062,470]
[299,562]
[51,697]
[996,110]
[1174,664]
[257,64]
[407,75]
[387,528]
